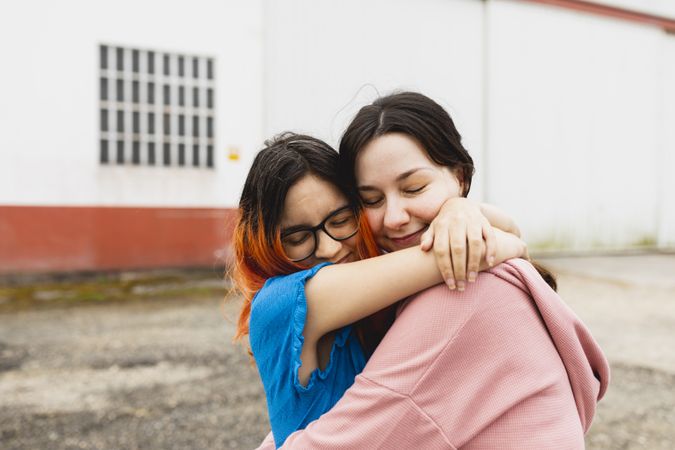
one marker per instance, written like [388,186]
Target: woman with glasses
[504,364]
[295,220]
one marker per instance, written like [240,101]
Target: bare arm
[342,294]
[499,219]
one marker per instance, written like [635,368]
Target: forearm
[508,246]
[342,294]
[339,295]
[499,219]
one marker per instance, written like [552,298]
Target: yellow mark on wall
[233,153]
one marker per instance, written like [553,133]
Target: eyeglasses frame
[322,227]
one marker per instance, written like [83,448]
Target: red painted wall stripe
[665,23]
[56,239]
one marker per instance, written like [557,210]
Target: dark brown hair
[417,116]
[259,254]
[422,119]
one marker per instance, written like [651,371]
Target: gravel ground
[163,374]
[151,375]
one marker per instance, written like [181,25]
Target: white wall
[576,125]
[567,115]
[666,237]
[49,91]
[325,59]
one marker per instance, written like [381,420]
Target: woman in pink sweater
[503,364]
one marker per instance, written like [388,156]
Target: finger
[474,237]
[427,238]
[458,251]
[443,260]
[490,244]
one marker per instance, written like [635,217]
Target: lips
[409,239]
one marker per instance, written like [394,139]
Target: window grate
[154,106]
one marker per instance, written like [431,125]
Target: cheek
[426,207]
[375,219]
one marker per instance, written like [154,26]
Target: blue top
[278,315]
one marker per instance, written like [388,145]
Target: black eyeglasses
[300,243]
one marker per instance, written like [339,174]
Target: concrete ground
[163,374]
[629,304]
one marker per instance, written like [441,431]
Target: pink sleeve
[370,416]
[377,411]
[472,369]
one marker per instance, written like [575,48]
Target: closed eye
[413,191]
[369,203]
[339,222]
[297,240]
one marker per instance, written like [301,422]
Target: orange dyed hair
[256,261]
[257,239]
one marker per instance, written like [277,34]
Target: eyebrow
[399,178]
[294,228]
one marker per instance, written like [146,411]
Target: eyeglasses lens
[301,244]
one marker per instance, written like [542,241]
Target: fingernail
[450,283]
[472,276]
[460,285]
[491,261]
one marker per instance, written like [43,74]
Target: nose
[395,214]
[326,247]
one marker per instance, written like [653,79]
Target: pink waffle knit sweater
[503,365]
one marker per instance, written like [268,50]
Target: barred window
[135,91]
[156,108]
[167,94]
[167,64]
[181,154]
[104,89]
[151,153]
[195,97]
[104,120]
[151,62]
[167,153]
[151,93]
[181,125]
[104,151]
[135,61]
[136,153]
[120,151]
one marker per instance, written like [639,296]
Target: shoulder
[426,324]
[280,303]
[281,292]
[436,321]
[441,302]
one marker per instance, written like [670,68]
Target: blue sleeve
[278,315]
